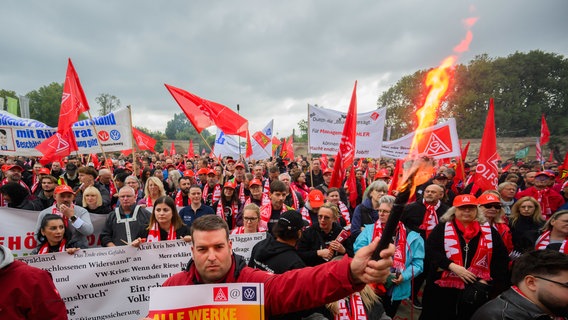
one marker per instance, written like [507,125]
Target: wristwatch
[73,218]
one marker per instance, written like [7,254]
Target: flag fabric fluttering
[538,151]
[288,149]
[346,153]
[544,132]
[143,141]
[486,172]
[275,144]
[521,154]
[73,103]
[173,149]
[204,113]
[190,151]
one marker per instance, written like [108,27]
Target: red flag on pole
[73,103]
[173,149]
[205,113]
[143,141]
[551,156]
[486,172]
[396,175]
[190,151]
[538,152]
[166,153]
[352,187]
[544,132]
[288,149]
[248,153]
[346,153]
[323,161]
[275,143]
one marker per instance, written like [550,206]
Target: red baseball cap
[465,200]
[8,167]
[189,173]
[239,165]
[44,171]
[202,171]
[230,184]
[63,189]
[327,170]
[488,198]
[255,182]
[383,173]
[545,173]
[316,198]
[211,171]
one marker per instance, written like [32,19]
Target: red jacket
[29,293]
[550,199]
[291,291]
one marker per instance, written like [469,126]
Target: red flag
[346,153]
[275,143]
[173,149]
[73,103]
[248,153]
[323,162]
[288,149]
[551,156]
[486,173]
[352,186]
[190,151]
[205,113]
[507,167]
[143,141]
[544,133]
[564,172]
[166,153]
[464,152]
[396,175]
[95,160]
[538,152]
[262,139]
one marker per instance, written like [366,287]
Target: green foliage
[179,128]
[303,137]
[523,85]
[45,103]
[108,103]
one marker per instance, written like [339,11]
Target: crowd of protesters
[455,248]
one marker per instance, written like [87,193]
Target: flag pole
[207,144]
[134,144]
[239,113]
[97,135]
[310,150]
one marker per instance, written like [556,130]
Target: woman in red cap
[464,254]
[228,206]
[492,210]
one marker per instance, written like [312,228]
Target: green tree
[108,103]
[179,128]
[7,93]
[303,125]
[45,103]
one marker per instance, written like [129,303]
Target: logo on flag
[61,146]
[436,146]
[221,139]
[261,138]
[220,294]
[374,116]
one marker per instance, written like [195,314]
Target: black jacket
[314,239]
[274,256]
[511,306]
[413,215]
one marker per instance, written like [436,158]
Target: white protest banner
[262,142]
[115,282]
[17,230]
[438,142]
[19,136]
[228,145]
[224,301]
[326,127]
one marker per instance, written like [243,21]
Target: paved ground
[407,312]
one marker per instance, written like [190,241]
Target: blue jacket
[414,259]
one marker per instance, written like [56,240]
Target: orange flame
[437,82]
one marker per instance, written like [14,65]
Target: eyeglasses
[565,285]
[489,206]
[249,219]
[384,211]
[325,218]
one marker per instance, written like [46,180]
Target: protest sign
[222,301]
[19,136]
[326,127]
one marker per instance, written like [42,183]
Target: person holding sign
[214,262]
[54,236]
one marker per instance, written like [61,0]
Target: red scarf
[241,230]
[216,193]
[45,247]
[306,216]
[344,212]
[241,187]
[544,240]
[296,202]
[354,311]
[542,198]
[399,259]
[149,202]
[481,260]
[179,199]
[154,233]
[221,212]
[266,212]
[430,217]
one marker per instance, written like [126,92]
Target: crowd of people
[457,252]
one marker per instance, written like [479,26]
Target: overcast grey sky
[271,57]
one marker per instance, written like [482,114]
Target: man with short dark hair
[270,212]
[539,291]
[214,262]
[315,177]
[182,196]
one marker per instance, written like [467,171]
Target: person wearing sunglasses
[491,207]
[539,291]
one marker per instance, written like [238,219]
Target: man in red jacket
[27,292]
[214,262]
[549,199]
